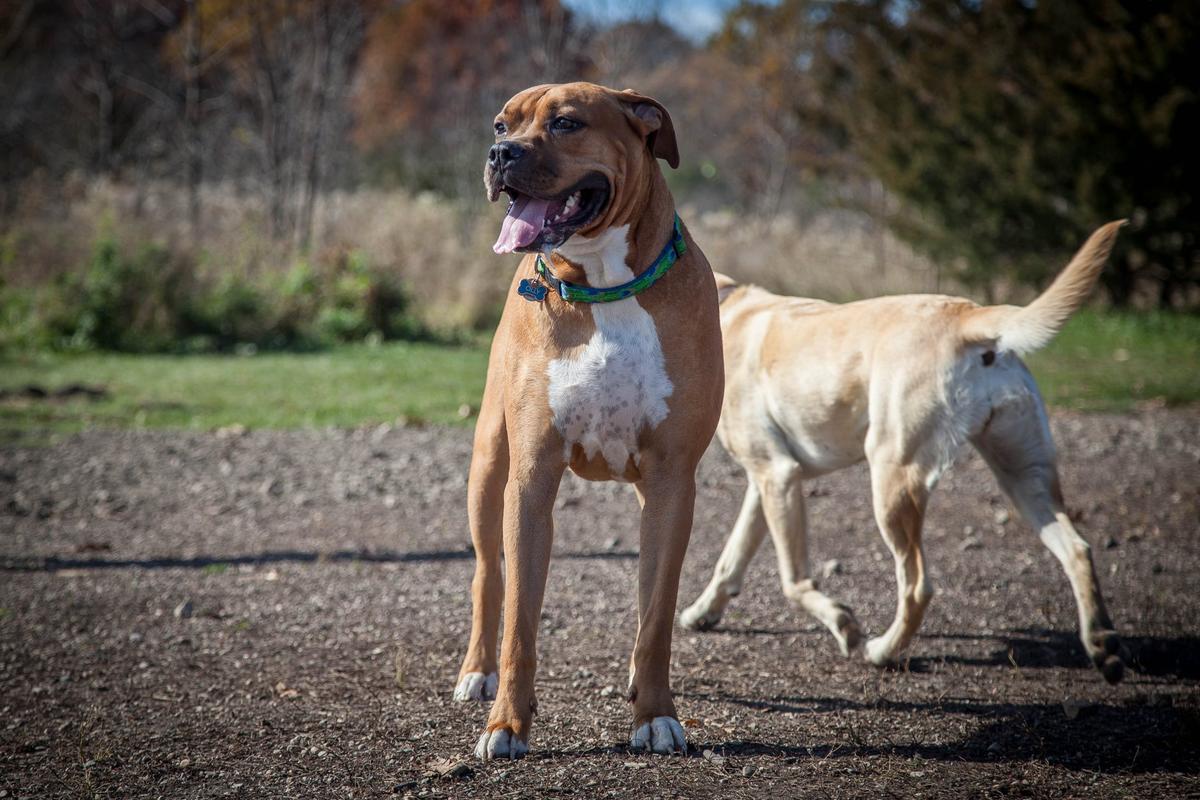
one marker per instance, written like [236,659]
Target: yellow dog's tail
[1023,329]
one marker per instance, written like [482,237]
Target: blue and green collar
[536,288]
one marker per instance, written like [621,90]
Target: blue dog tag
[534,292]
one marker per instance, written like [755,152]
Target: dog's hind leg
[478,678]
[1017,446]
[782,490]
[900,494]
[747,535]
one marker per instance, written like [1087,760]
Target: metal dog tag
[532,290]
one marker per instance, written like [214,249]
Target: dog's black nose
[504,153]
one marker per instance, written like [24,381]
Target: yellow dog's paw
[698,617]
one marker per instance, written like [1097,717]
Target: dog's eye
[501,128]
[564,124]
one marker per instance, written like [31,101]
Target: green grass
[1118,361]
[1100,362]
[347,386]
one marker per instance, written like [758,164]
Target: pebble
[184,610]
[831,567]
[749,770]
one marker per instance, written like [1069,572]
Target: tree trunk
[192,118]
[322,68]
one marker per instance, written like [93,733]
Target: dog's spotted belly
[607,392]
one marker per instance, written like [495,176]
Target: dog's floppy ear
[649,118]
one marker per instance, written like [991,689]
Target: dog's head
[573,158]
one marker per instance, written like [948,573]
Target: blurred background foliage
[192,175]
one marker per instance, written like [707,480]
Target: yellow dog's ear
[650,119]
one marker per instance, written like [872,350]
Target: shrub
[156,300]
[120,302]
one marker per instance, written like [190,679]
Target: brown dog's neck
[647,223]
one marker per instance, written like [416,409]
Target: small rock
[449,768]
[831,567]
[465,411]
[272,487]
[612,544]
[135,638]
[749,770]
[1002,516]
[970,543]
[390,501]
[184,610]
[1110,542]
[709,755]
[608,691]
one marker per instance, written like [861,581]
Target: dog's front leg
[478,679]
[668,499]
[528,534]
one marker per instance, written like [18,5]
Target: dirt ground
[282,614]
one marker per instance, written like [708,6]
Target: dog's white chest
[605,393]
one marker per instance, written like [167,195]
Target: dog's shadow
[1030,648]
[1149,734]
[1101,738]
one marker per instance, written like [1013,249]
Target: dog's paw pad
[500,743]
[662,735]
[848,634]
[476,686]
[1113,670]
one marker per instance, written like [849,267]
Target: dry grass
[441,251]
[835,255]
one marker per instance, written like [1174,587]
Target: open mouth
[534,223]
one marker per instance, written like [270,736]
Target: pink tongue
[522,225]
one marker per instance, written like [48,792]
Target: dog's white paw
[476,686]
[663,735]
[697,617]
[500,743]
[878,651]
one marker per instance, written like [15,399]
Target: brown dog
[903,382]
[628,389]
